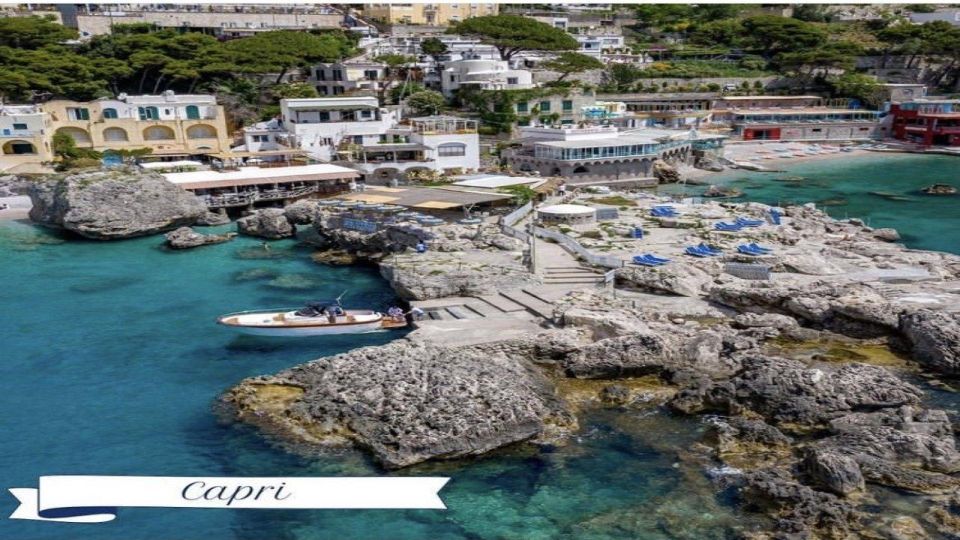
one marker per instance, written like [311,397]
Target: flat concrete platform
[474,331]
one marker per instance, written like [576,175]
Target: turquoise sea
[881,189]
[111,363]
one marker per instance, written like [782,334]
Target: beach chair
[696,252]
[649,260]
[749,222]
[756,247]
[774,217]
[709,249]
[729,227]
[747,250]
[656,259]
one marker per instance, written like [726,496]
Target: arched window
[452,150]
[193,112]
[581,170]
[201,131]
[109,113]
[148,113]
[158,133]
[80,136]
[115,134]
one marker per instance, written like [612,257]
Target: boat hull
[284,324]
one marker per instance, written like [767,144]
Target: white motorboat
[316,319]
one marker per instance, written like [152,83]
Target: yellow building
[428,14]
[24,138]
[168,124]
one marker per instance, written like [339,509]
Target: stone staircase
[510,303]
[571,275]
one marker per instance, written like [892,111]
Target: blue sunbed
[724,226]
[747,250]
[696,252]
[749,222]
[756,247]
[710,249]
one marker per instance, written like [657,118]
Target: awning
[394,147]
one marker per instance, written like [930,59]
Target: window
[109,113]
[114,134]
[366,114]
[522,107]
[337,75]
[337,90]
[321,75]
[193,112]
[512,80]
[324,116]
[78,113]
[20,126]
[567,105]
[148,113]
[452,150]
[544,106]
[370,74]
[358,139]
[261,138]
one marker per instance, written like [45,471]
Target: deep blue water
[111,362]
[882,189]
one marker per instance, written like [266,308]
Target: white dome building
[570,214]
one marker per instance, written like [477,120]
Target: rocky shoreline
[805,439]
[810,438]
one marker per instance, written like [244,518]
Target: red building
[927,122]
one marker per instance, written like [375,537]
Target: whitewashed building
[320,125]
[443,144]
[483,74]
[341,78]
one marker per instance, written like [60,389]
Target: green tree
[859,86]
[406,88]
[569,62]
[282,50]
[775,35]
[511,34]
[433,48]
[397,68]
[33,32]
[727,32]
[294,91]
[426,102]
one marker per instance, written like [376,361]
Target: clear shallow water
[111,362]
[842,187]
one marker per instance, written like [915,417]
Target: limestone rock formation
[935,336]
[270,223]
[114,204]
[212,219]
[405,402]
[301,212]
[665,173]
[185,238]
[679,279]
[787,391]
[833,472]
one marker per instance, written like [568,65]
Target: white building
[24,136]
[483,74]
[320,125]
[429,143]
[595,44]
[341,78]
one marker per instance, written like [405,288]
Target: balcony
[17,133]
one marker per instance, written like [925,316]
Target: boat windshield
[319,309]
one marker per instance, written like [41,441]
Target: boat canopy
[318,308]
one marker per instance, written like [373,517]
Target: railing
[574,247]
[18,133]
[513,217]
[244,199]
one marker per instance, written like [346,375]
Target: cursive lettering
[194,491]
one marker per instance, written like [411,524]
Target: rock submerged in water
[405,402]
[114,204]
[186,238]
[270,223]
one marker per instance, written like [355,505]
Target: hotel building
[930,122]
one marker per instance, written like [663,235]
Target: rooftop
[566,209]
[488,181]
[334,102]
[802,111]
[256,175]
[420,197]
[775,98]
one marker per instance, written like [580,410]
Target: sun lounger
[696,252]
[723,226]
[747,250]
[709,249]
[649,260]
[756,247]
[749,222]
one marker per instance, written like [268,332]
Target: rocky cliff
[114,204]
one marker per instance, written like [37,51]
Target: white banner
[95,499]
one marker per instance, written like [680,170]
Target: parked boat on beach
[315,319]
